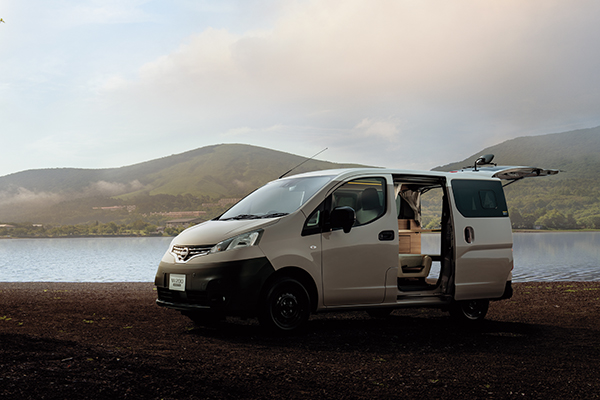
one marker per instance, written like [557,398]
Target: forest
[147,218]
[111,229]
[533,206]
[544,204]
[555,204]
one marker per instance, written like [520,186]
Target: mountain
[208,173]
[197,179]
[572,196]
[219,170]
[575,152]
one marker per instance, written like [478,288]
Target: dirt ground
[110,340]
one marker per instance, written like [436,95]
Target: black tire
[469,310]
[285,307]
[379,312]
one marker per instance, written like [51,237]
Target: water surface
[81,259]
[546,256]
[561,256]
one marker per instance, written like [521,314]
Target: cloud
[103,188]
[501,59]
[103,12]
[366,78]
[23,197]
[384,129]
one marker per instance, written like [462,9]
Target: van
[351,239]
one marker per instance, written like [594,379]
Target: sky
[409,84]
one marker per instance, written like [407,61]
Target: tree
[516,219]
[138,225]
[149,229]
[592,222]
[554,219]
[111,227]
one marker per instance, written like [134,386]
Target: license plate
[177,282]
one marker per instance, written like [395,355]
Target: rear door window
[476,199]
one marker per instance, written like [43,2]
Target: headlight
[244,240]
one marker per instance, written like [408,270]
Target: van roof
[495,172]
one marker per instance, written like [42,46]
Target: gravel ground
[110,340]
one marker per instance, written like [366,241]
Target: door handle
[469,234]
[386,235]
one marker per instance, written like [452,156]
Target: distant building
[130,208]
[183,222]
[180,214]
[6,226]
[224,202]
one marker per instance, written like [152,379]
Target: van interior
[425,237]
[424,231]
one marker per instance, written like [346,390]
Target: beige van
[354,239]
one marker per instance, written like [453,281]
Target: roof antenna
[308,159]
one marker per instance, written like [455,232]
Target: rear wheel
[469,310]
[285,308]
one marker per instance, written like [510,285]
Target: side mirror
[342,217]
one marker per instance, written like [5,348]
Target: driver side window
[366,196]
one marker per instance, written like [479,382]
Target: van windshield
[277,198]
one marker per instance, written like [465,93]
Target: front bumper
[227,287]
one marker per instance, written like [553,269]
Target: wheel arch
[301,276]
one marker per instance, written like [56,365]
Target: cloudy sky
[397,83]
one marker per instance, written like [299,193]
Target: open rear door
[511,173]
[517,173]
[483,240]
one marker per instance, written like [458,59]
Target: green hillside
[197,179]
[227,171]
[181,182]
[574,152]
[220,170]
[567,200]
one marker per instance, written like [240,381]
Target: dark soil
[110,340]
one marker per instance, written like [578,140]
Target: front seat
[370,206]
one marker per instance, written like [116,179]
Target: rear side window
[479,198]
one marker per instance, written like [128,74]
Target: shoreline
[85,236]
[152,282]
[554,230]
[167,236]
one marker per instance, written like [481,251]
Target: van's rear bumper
[508,291]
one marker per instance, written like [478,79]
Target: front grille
[185,253]
[199,298]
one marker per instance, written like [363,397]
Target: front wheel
[285,308]
[469,310]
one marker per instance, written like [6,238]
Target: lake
[560,256]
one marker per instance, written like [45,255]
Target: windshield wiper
[274,215]
[254,216]
[243,216]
